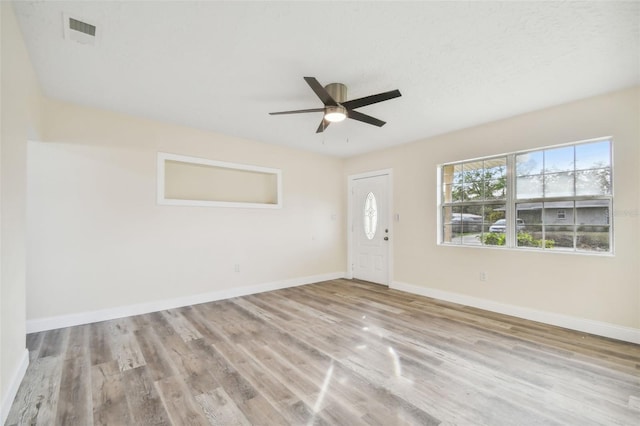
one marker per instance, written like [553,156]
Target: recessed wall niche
[193,181]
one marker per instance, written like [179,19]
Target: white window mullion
[511,202]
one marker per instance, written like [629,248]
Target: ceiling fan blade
[320,91]
[323,125]
[365,118]
[297,111]
[373,99]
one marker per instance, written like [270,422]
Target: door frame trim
[350,202]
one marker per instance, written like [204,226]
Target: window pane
[529,163]
[447,182]
[558,160]
[551,216]
[593,182]
[447,173]
[473,178]
[465,226]
[559,237]
[473,171]
[495,225]
[493,213]
[370,216]
[473,191]
[457,173]
[454,230]
[529,187]
[495,183]
[472,219]
[529,239]
[593,155]
[453,193]
[558,184]
[530,213]
[496,170]
[529,225]
[592,212]
[496,189]
[447,233]
[454,216]
[529,219]
[448,217]
[592,238]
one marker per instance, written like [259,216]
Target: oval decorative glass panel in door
[370,216]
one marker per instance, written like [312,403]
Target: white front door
[370,228]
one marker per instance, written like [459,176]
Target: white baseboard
[14,385]
[627,334]
[50,323]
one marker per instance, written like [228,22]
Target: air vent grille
[82,27]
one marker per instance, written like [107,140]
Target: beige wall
[199,182]
[98,240]
[600,288]
[19,118]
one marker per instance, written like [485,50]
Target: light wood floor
[339,352]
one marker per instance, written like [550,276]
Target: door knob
[386,238]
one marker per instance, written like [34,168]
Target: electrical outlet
[483,276]
[236,267]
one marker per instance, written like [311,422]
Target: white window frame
[511,202]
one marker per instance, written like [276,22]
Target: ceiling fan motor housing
[338,92]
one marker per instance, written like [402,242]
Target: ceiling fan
[337,107]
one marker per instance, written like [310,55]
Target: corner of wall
[14,385]
[21,118]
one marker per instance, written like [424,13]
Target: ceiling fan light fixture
[335,114]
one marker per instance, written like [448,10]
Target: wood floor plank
[37,398]
[340,352]
[126,351]
[100,348]
[34,342]
[145,404]
[109,399]
[254,405]
[182,326]
[179,404]
[75,406]
[54,342]
[220,409]
[78,342]
[191,366]
[267,384]
[155,354]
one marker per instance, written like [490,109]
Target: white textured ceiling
[223,66]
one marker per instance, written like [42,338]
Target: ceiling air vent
[79,31]
[83,27]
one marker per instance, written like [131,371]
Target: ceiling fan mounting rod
[338,92]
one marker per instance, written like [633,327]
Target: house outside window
[556,198]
